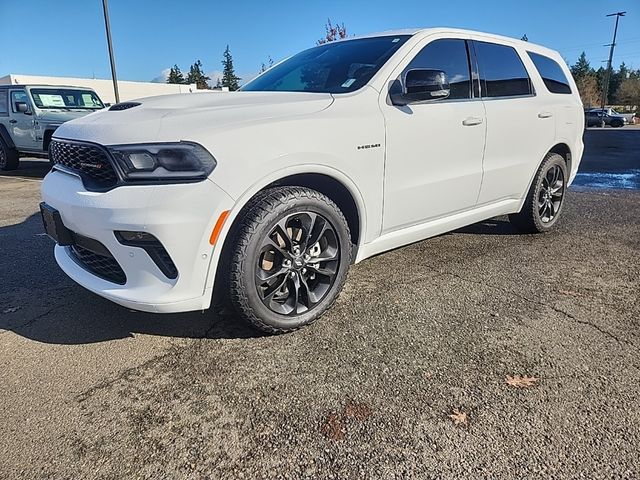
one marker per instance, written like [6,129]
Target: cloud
[214,75]
[162,78]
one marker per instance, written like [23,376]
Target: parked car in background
[264,197]
[596,117]
[628,117]
[29,114]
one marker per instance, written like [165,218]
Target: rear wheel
[545,199]
[289,259]
[9,158]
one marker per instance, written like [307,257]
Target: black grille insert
[123,106]
[101,264]
[90,161]
[154,249]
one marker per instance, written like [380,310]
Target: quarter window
[502,73]
[450,56]
[554,78]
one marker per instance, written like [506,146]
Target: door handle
[13,121]
[545,115]
[471,121]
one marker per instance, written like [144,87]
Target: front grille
[90,161]
[101,265]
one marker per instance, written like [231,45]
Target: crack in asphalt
[536,302]
[123,374]
[173,349]
[32,320]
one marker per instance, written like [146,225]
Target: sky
[67,37]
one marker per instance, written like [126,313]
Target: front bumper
[180,216]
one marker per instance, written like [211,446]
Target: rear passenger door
[520,123]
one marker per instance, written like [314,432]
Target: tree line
[229,78]
[196,75]
[624,84]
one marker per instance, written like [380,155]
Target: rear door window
[4,103]
[502,73]
[554,78]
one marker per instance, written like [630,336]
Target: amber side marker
[216,230]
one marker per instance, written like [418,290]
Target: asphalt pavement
[482,353]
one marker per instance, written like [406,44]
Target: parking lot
[404,378]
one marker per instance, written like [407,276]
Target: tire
[9,158]
[543,204]
[276,280]
[617,124]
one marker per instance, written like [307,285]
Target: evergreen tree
[229,77]
[197,76]
[175,75]
[582,67]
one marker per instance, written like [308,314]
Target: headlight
[163,162]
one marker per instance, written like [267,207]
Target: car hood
[184,116]
[61,116]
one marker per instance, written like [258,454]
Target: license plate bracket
[54,227]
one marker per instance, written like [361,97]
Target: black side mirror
[22,107]
[420,85]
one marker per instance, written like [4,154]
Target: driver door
[21,124]
[434,149]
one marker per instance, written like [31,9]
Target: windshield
[338,67]
[66,98]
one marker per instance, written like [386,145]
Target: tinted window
[502,73]
[552,74]
[451,57]
[336,67]
[4,105]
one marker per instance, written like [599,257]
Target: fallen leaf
[521,381]
[333,427]
[458,417]
[11,309]
[359,411]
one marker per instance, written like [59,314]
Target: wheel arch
[564,151]
[329,181]
[561,149]
[4,134]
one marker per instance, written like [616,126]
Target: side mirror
[421,84]
[107,105]
[22,107]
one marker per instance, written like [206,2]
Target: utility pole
[605,87]
[107,26]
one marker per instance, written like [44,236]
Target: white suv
[265,196]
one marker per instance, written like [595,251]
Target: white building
[104,88]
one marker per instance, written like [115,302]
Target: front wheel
[289,259]
[545,198]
